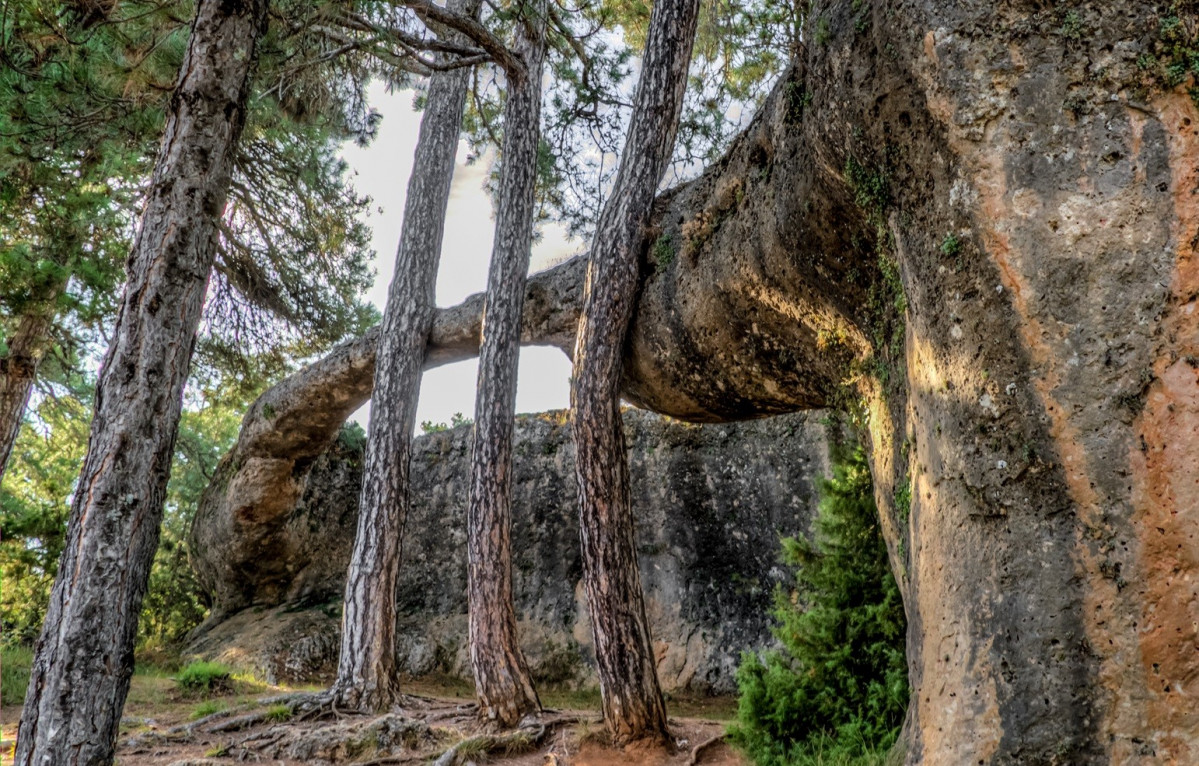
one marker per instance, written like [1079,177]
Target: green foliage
[822,31]
[34,505]
[664,250]
[798,99]
[837,690]
[204,677]
[458,419]
[1175,57]
[15,664]
[871,188]
[951,246]
[173,605]
[887,302]
[903,499]
[1072,26]
[740,49]
[352,437]
[83,96]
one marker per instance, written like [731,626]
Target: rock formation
[712,502]
[973,225]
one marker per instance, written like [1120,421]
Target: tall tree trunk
[84,657]
[502,680]
[18,370]
[366,671]
[632,701]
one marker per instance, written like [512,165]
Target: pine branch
[472,29]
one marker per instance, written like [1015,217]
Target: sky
[381,171]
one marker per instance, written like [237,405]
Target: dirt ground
[252,723]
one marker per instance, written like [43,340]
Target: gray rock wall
[711,503]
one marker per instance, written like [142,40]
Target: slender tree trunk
[502,680]
[366,672]
[632,700]
[84,658]
[18,370]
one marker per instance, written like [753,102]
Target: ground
[164,725]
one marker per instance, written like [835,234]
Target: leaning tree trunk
[366,671]
[632,701]
[502,680]
[18,371]
[84,657]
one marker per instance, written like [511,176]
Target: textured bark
[18,371]
[633,706]
[366,672]
[84,657]
[502,680]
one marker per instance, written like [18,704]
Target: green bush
[837,691]
[204,677]
[15,662]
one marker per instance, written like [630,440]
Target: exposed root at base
[311,729]
[698,750]
[514,743]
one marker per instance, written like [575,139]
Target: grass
[568,699]
[207,708]
[828,751]
[15,662]
[278,713]
[204,677]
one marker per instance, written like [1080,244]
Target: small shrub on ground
[835,694]
[204,677]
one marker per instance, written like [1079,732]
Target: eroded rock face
[711,501]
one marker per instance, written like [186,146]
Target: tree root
[519,741]
[698,750]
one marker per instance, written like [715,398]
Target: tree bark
[84,658]
[18,371]
[502,680]
[632,700]
[366,672]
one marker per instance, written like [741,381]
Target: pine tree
[83,96]
[366,670]
[632,699]
[838,686]
[502,680]
[83,659]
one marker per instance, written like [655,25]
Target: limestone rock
[711,501]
